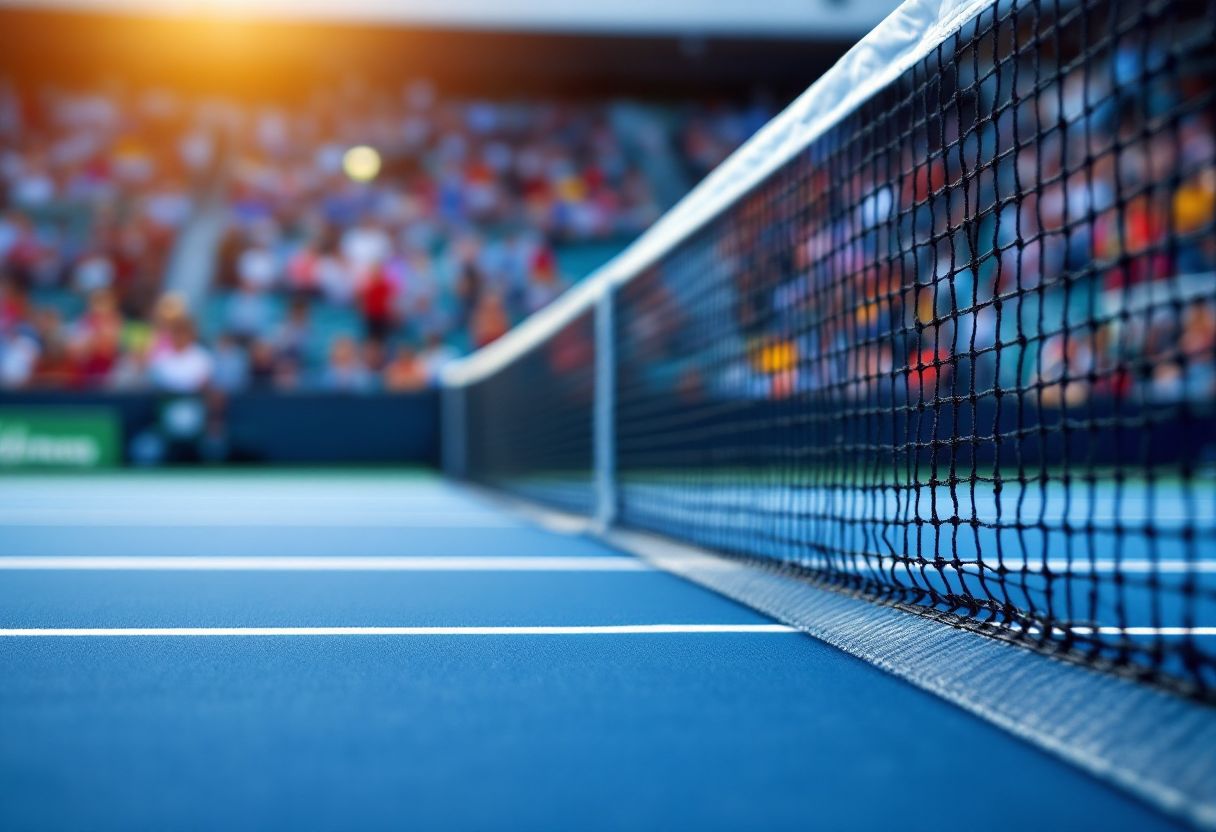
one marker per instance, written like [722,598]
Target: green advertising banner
[58,438]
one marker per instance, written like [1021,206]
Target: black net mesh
[960,353]
[528,427]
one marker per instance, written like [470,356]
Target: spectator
[94,271]
[334,279]
[231,365]
[406,373]
[489,321]
[182,365]
[377,303]
[98,352]
[263,365]
[257,268]
[366,247]
[544,286]
[19,354]
[248,314]
[374,356]
[293,336]
[435,356]
[169,308]
[54,367]
[14,303]
[302,277]
[345,372]
[131,371]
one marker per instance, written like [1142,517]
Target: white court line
[628,629]
[1082,566]
[255,517]
[1077,567]
[328,564]
[1144,631]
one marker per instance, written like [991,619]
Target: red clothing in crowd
[377,303]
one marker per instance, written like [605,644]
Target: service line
[329,564]
[627,629]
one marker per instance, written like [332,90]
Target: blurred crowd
[452,243]
[93,192]
[1059,243]
[1059,240]
[708,133]
[329,275]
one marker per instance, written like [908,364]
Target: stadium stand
[484,212]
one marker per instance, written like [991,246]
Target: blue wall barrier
[276,428]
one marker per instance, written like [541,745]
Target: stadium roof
[710,18]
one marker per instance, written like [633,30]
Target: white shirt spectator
[181,371]
[18,355]
[365,246]
[92,273]
[33,189]
[258,267]
[335,280]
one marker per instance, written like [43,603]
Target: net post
[453,431]
[603,414]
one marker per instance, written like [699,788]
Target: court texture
[387,650]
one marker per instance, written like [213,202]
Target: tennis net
[943,335]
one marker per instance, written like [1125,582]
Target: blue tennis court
[867,483]
[469,720]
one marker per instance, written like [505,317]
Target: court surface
[386,651]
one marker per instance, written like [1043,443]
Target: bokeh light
[361,163]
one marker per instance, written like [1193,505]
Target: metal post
[604,420]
